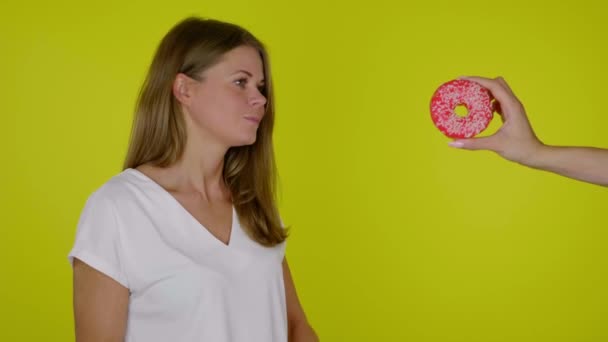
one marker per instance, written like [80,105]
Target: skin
[517,142]
[222,109]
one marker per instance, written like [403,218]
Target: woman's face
[228,104]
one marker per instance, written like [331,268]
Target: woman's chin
[245,141]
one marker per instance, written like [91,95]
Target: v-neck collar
[234,225]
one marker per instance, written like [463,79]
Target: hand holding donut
[515,140]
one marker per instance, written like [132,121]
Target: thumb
[483,143]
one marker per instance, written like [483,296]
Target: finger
[500,91]
[504,83]
[494,85]
[496,107]
[483,143]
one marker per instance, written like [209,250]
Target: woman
[516,141]
[186,244]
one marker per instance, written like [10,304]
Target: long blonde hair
[159,131]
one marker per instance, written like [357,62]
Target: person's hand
[515,140]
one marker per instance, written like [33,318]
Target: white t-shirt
[185,284]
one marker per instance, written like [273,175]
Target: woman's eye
[241,82]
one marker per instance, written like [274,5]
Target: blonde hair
[159,131]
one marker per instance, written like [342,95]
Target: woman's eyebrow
[248,73]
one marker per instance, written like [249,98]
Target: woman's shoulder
[124,186]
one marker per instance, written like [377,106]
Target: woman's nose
[257,99]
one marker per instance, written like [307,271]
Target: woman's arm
[299,329]
[100,305]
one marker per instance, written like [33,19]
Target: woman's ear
[182,88]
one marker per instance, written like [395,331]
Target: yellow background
[396,236]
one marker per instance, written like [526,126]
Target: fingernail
[456,144]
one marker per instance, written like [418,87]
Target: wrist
[536,156]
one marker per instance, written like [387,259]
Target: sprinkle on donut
[454,93]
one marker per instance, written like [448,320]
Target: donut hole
[461,110]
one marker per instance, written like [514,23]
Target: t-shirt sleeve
[97,240]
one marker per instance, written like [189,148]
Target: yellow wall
[396,236]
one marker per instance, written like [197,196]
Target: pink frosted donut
[454,93]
